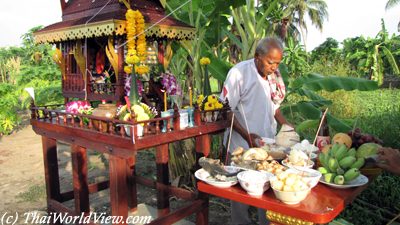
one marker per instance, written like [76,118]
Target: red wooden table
[322,205]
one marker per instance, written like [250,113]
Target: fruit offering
[340,164]
[290,182]
[359,138]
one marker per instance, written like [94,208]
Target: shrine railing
[54,114]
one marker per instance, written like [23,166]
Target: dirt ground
[22,187]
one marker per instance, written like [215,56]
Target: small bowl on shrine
[254,182]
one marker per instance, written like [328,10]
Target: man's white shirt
[249,97]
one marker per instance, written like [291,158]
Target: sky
[347,18]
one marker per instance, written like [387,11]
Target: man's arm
[280,118]
[250,138]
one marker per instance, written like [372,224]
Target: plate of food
[298,159]
[359,181]
[218,180]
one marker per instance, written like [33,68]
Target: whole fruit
[367,149]
[342,138]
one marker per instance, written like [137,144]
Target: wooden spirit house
[91,59]
[90,40]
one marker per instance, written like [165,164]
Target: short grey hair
[266,44]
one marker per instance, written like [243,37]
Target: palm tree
[390,4]
[297,11]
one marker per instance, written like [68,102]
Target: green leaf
[337,124]
[307,109]
[391,59]
[317,82]
[219,68]
[307,124]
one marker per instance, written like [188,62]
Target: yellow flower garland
[136,52]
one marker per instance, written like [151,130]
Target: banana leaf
[307,124]
[219,68]
[316,82]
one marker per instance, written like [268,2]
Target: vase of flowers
[209,104]
[137,113]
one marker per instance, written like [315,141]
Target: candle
[190,97]
[165,100]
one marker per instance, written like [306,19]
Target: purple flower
[127,86]
[170,84]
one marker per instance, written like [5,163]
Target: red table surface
[322,205]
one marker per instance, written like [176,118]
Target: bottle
[323,137]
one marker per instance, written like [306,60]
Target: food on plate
[297,158]
[255,153]
[216,169]
[256,159]
[340,165]
[305,146]
[273,167]
[342,138]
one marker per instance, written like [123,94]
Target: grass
[33,194]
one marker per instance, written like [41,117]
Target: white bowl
[254,182]
[290,197]
[309,175]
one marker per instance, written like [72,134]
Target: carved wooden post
[118,187]
[162,177]
[80,181]
[132,189]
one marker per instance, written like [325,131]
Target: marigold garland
[136,48]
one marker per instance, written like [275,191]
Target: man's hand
[254,140]
[389,159]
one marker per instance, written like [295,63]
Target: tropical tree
[372,55]
[296,12]
[295,57]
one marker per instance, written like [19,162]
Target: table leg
[132,189]
[80,179]
[118,187]
[202,215]
[162,177]
[51,174]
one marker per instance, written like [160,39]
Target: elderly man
[255,90]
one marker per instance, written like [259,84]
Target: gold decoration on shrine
[283,219]
[111,27]
[112,56]
[60,61]
[80,58]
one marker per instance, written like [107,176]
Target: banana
[333,150]
[358,163]
[323,159]
[339,179]
[351,174]
[351,152]
[340,171]
[323,170]
[329,177]
[347,162]
[341,152]
[333,164]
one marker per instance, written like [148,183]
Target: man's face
[267,64]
